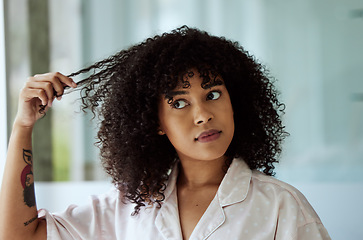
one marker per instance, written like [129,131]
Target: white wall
[3,111]
[339,207]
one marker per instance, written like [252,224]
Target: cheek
[174,127]
[168,123]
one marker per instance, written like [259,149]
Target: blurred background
[314,48]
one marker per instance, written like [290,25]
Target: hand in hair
[38,94]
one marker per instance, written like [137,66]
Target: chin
[214,153]
[211,157]
[205,153]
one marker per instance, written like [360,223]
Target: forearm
[19,215]
[18,218]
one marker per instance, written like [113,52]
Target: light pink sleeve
[95,220]
[297,218]
[312,231]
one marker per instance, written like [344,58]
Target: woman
[190,132]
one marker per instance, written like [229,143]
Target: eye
[214,95]
[179,104]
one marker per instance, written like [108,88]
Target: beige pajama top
[248,205]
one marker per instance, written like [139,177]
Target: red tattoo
[25,176]
[27,179]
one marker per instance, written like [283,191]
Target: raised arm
[19,215]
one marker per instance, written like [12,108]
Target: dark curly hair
[124,91]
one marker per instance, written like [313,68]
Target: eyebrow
[172,94]
[214,83]
[209,85]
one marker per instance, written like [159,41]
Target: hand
[39,90]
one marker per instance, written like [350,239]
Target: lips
[208,136]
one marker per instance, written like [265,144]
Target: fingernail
[59,98]
[74,84]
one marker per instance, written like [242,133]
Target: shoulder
[295,217]
[262,201]
[88,221]
[108,199]
[97,206]
[264,182]
[287,198]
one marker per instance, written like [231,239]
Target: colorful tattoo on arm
[27,179]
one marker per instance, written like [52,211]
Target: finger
[56,86]
[29,94]
[46,86]
[66,81]
[58,80]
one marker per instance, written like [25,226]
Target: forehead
[207,79]
[194,77]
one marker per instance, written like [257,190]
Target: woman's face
[198,120]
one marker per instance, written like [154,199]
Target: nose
[202,115]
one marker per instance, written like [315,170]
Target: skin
[19,218]
[202,163]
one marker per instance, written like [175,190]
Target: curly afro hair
[125,89]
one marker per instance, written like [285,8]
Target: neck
[195,174]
